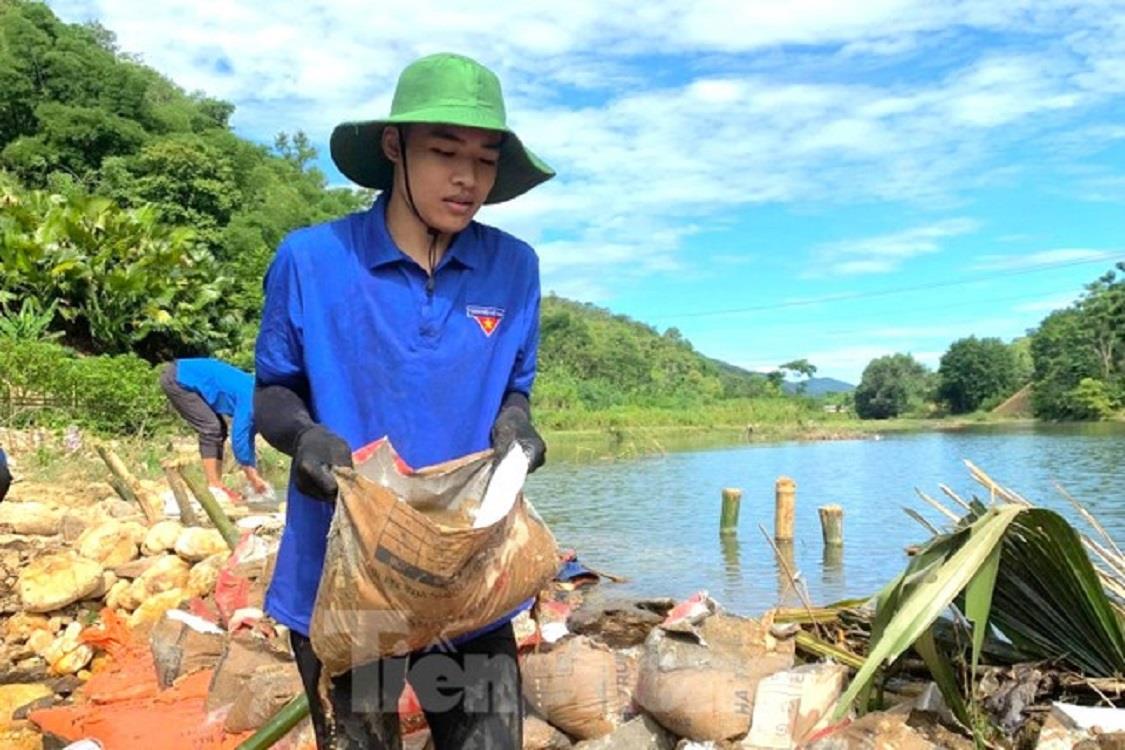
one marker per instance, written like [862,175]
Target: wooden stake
[784,509]
[732,498]
[832,558]
[203,494]
[128,486]
[832,524]
[180,492]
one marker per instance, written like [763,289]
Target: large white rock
[29,518]
[167,573]
[197,543]
[54,581]
[67,654]
[204,575]
[109,543]
[162,537]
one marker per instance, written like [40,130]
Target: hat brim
[357,151]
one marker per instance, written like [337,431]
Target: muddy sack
[702,686]
[580,686]
[405,569]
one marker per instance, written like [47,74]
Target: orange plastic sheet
[123,707]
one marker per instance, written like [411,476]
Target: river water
[655,520]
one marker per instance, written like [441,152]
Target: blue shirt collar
[381,250]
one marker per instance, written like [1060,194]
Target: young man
[412,321]
[204,391]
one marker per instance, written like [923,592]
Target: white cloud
[886,252]
[1060,256]
[688,111]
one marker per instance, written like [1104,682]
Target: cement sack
[405,568]
[581,686]
[704,691]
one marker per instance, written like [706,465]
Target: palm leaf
[1022,569]
[931,596]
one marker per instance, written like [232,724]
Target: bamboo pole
[211,506]
[129,488]
[180,492]
[278,725]
[728,522]
[785,506]
[832,524]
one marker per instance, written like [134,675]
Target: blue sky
[816,178]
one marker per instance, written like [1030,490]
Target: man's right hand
[318,450]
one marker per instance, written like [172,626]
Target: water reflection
[789,577]
[655,519]
[832,568]
[732,564]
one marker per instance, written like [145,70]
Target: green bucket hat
[442,89]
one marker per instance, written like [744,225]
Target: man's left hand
[513,425]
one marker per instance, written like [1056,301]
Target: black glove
[513,425]
[318,450]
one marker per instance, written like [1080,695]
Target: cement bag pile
[581,686]
[405,567]
[699,678]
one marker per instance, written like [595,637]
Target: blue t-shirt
[350,324]
[228,391]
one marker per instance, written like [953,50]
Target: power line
[933,308]
[884,292]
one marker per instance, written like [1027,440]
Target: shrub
[47,384]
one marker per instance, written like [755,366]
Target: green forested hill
[592,357]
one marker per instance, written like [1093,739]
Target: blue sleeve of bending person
[242,429]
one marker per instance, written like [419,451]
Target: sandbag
[404,567]
[581,686]
[704,691]
[267,691]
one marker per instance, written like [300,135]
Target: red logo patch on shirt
[488,318]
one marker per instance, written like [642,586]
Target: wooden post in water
[832,524]
[732,498]
[784,509]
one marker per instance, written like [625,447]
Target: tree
[1083,342]
[801,367]
[1091,399]
[1103,308]
[775,378]
[189,181]
[890,386]
[1025,365]
[973,371]
[295,149]
[1063,353]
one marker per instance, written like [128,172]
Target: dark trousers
[471,697]
[5,476]
[211,427]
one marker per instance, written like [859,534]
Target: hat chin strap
[432,231]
